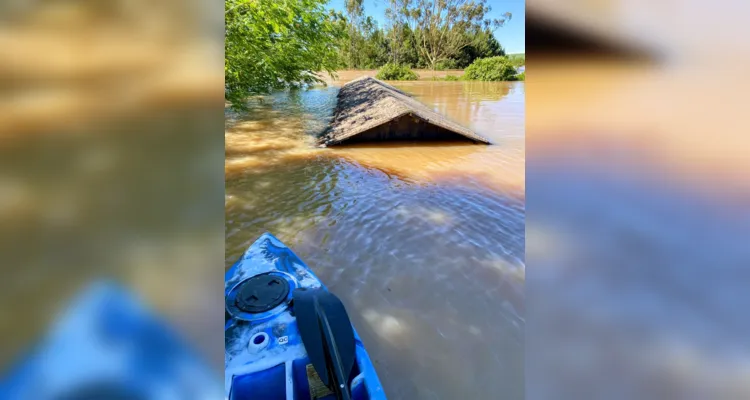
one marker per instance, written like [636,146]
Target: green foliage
[365,47]
[396,72]
[273,45]
[402,38]
[521,76]
[491,69]
[482,44]
[517,60]
[443,29]
[450,35]
[369,47]
[449,63]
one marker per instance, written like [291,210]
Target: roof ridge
[372,103]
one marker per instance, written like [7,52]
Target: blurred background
[111,164]
[637,200]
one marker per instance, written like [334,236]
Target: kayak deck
[265,357]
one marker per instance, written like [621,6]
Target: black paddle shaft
[328,337]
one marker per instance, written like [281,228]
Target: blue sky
[512,36]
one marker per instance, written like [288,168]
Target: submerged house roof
[370,110]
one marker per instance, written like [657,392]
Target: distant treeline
[370,47]
[430,34]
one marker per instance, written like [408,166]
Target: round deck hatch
[261,293]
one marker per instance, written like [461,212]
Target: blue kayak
[286,336]
[108,345]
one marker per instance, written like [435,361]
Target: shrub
[517,60]
[521,76]
[490,69]
[395,72]
[442,65]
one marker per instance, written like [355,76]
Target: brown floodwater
[638,235]
[423,243]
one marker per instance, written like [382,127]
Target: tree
[440,26]
[354,11]
[409,53]
[275,45]
[482,44]
[374,47]
[398,30]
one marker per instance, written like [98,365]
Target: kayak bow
[288,337]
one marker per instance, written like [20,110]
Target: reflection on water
[495,110]
[424,243]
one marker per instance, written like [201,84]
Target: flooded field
[423,243]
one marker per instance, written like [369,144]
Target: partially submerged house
[369,110]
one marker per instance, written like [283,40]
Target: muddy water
[423,243]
